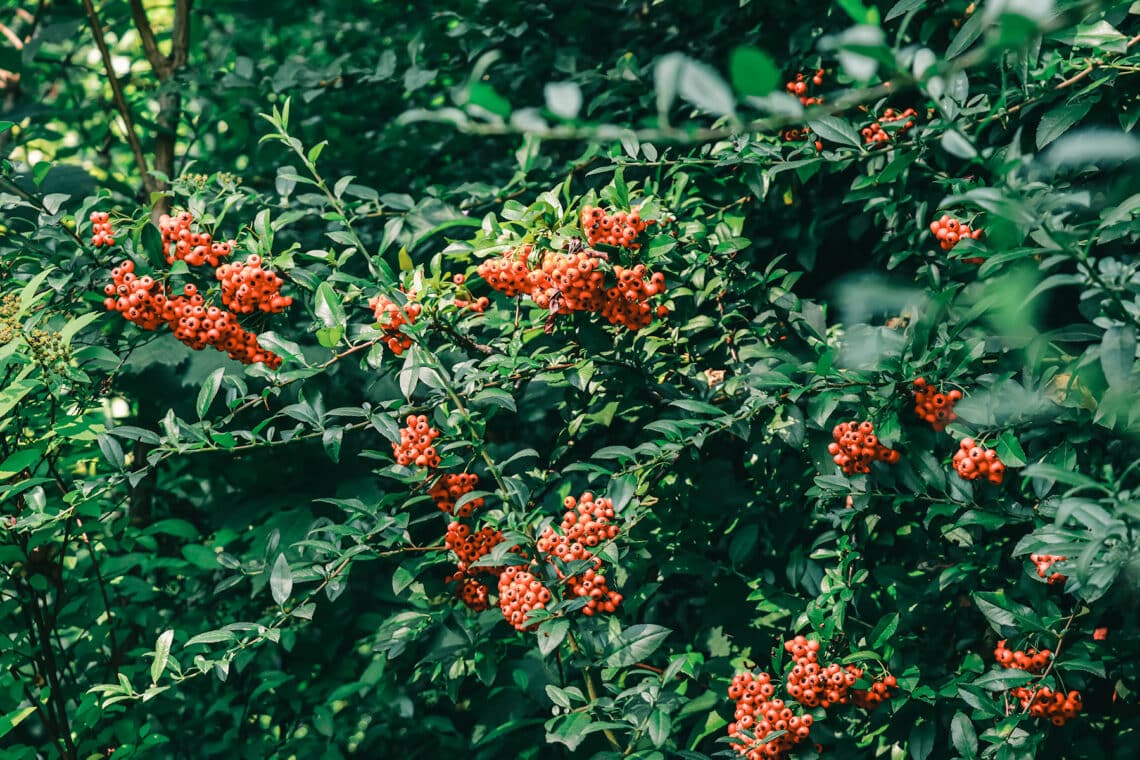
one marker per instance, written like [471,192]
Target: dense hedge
[623,380]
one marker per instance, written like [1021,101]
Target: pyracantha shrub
[416,447]
[972,462]
[855,446]
[933,406]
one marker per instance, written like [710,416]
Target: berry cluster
[856,446]
[875,133]
[815,685]
[627,302]
[141,300]
[391,318]
[1040,702]
[49,350]
[180,243]
[619,229]
[508,273]
[477,305]
[247,288]
[758,714]
[809,683]
[520,593]
[585,524]
[101,232]
[880,691]
[949,231]
[198,325]
[144,302]
[415,447]
[450,488]
[1057,706]
[474,593]
[796,134]
[470,547]
[934,407]
[10,324]
[1044,563]
[569,282]
[798,87]
[973,462]
[1031,661]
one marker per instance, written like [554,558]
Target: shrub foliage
[637,380]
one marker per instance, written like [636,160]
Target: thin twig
[117,95]
[591,687]
[158,62]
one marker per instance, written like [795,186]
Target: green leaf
[558,696]
[883,631]
[1009,450]
[211,637]
[569,729]
[963,737]
[1100,35]
[112,451]
[286,348]
[1001,612]
[1063,475]
[753,71]
[921,740]
[743,542]
[73,326]
[966,36]
[1118,354]
[1060,120]
[494,397]
[1003,679]
[161,655]
[14,718]
[15,391]
[956,145]
[331,440]
[281,580]
[836,130]
[329,337]
[701,85]
[550,635]
[621,490]
[858,12]
[30,292]
[636,643]
[30,457]
[902,7]
[1092,147]
[564,99]
[658,724]
[327,306]
[665,75]
[486,97]
[208,391]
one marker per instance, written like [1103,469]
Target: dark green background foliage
[202,559]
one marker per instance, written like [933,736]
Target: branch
[158,62]
[180,51]
[117,94]
[591,687]
[460,338]
[1084,73]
